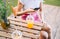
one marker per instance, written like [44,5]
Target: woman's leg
[45,30]
[43,35]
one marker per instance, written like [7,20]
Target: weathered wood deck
[51,16]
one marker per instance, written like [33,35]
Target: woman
[31,6]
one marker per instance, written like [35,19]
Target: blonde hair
[20,5]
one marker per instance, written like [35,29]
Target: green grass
[53,2]
[9,4]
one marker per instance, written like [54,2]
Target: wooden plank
[2,37]
[28,35]
[21,28]
[1,28]
[26,29]
[5,34]
[26,38]
[25,25]
[7,31]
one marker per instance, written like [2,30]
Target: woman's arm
[25,11]
[20,6]
[40,6]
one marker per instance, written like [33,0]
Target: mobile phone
[36,8]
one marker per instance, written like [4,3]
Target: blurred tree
[3,14]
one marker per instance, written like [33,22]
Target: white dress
[31,3]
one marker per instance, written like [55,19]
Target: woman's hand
[41,7]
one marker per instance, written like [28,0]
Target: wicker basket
[21,25]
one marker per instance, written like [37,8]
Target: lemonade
[30,21]
[30,24]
